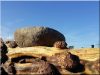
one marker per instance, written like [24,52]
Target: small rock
[11,44]
[60,44]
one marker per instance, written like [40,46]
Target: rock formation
[43,51]
[3,49]
[37,36]
[58,59]
[11,44]
[39,67]
[3,56]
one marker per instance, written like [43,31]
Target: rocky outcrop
[3,52]
[44,52]
[46,61]
[37,36]
[67,61]
[39,67]
[3,56]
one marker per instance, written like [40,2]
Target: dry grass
[90,54]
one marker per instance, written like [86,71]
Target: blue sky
[77,20]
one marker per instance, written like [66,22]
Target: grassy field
[90,54]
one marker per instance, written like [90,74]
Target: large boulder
[37,36]
[67,61]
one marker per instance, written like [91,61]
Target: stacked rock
[46,65]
